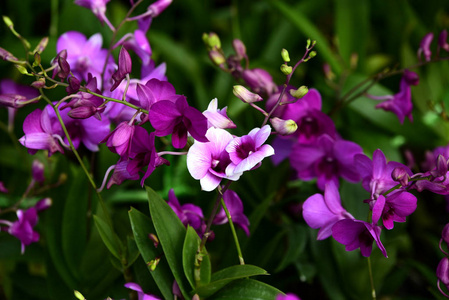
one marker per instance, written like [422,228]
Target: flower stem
[370,271]
[234,234]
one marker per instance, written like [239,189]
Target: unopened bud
[217,57]
[410,77]
[8,21]
[38,84]
[21,69]
[441,167]
[300,92]
[64,68]
[37,59]
[12,100]
[154,238]
[5,55]
[445,234]
[79,296]
[312,54]
[285,56]
[37,171]
[152,264]
[239,48]
[82,112]
[196,297]
[41,46]
[309,41]
[74,85]
[246,96]
[442,40]
[400,175]
[443,271]
[212,41]
[287,70]
[283,127]
[43,204]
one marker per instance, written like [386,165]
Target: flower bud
[37,171]
[12,100]
[246,96]
[43,204]
[21,69]
[212,41]
[300,92]
[154,239]
[41,46]
[424,47]
[312,54]
[124,67]
[64,68]
[400,175]
[74,85]
[38,84]
[5,55]
[285,56]
[441,167]
[287,70]
[217,57]
[159,6]
[37,59]
[443,271]
[82,112]
[445,234]
[442,40]
[410,77]
[239,48]
[283,127]
[79,296]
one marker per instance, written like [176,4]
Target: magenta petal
[378,208]
[315,211]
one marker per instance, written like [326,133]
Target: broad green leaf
[142,226]
[74,221]
[310,30]
[226,276]
[189,260]
[170,232]
[110,239]
[247,289]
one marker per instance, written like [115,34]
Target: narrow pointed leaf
[189,257]
[109,237]
[247,289]
[142,226]
[170,233]
[226,276]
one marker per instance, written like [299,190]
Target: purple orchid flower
[117,112]
[356,234]
[140,294]
[188,213]
[376,173]
[260,81]
[124,68]
[395,207]
[23,228]
[208,161]
[178,119]
[217,118]
[326,160]
[288,296]
[235,207]
[307,114]
[120,139]
[323,212]
[400,103]
[248,151]
[424,47]
[41,133]
[85,56]
[98,7]
[120,174]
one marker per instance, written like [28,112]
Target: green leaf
[109,237]
[190,260]
[74,221]
[142,226]
[351,23]
[226,276]
[170,232]
[247,289]
[297,240]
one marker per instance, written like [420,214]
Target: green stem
[370,271]
[234,234]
